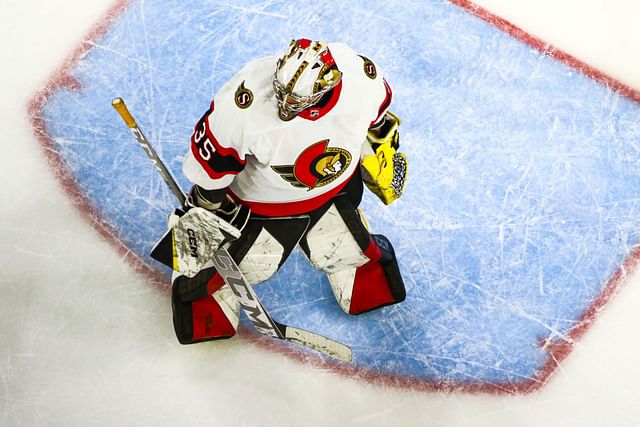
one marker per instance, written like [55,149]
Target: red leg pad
[215,283]
[209,320]
[370,287]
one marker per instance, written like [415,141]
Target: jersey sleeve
[376,86]
[215,155]
[384,100]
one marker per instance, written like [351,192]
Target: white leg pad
[332,246]
[342,286]
[229,304]
[261,262]
[334,251]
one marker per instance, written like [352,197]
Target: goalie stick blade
[260,318]
[165,251]
[318,343]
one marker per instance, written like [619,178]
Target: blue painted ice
[522,195]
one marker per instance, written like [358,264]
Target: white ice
[84,340]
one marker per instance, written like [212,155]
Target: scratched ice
[521,200]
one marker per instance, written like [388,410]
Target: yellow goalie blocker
[384,169]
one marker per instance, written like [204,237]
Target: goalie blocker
[361,267]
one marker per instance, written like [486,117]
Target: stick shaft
[119,105]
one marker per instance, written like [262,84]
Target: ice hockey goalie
[290,141]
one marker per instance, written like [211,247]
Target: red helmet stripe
[327,58]
[304,43]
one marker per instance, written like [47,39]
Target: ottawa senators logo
[316,166]
[369,67]
[243,97]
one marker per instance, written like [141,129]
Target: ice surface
[91,343]
[520,203]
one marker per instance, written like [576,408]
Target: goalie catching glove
[384,170]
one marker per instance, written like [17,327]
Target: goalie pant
[362,268]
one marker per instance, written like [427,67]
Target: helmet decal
[294,79]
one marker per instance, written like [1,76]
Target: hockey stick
[229,271]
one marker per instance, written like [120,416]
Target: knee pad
[208,318]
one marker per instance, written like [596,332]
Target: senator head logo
[316,166]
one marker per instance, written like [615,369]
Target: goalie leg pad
[263,259]
[377,283]
[265,245]
[205,319]
[203,284]
[332,245]
[361,268]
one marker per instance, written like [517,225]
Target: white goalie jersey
[282,168]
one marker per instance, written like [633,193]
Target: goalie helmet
[304,74]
